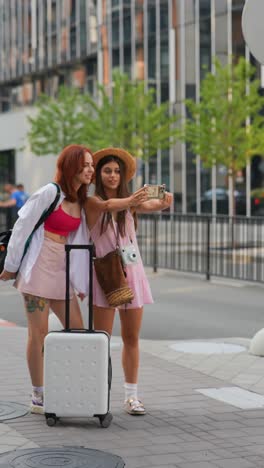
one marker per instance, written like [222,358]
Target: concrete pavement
[184,427]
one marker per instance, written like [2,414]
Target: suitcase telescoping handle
[68,248]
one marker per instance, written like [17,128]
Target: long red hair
[69,163]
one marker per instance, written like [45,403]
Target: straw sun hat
[122,154]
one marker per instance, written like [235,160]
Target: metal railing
[213,246]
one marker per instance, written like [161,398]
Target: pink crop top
[61,222]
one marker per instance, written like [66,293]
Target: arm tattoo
[35,303]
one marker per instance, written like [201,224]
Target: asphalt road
[186,307]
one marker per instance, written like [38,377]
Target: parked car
[257,202]
[222,202]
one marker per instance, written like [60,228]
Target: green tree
[226,127]
[125,115]
[58,122]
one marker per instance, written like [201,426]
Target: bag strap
[51,208]
[43,218]
[116,230]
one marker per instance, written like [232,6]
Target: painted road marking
[206,347]
[235,396]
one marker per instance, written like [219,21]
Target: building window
[115,29]
[152,59]
[5,99]
[164,90]
[205,37]
[127,26]
[115,58]
[152,20]
[83,32]
[164,61]
[165,168]
[164,20]
[7,169]
[127,60]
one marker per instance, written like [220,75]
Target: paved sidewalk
[183,428]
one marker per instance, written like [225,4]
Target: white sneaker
[36,405]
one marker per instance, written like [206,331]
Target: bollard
[257,344]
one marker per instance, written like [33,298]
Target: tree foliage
[129,117]
[58,122]
[227,126]
[126,115]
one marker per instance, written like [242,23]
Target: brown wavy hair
[69,163]
[122,192]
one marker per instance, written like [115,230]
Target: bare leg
[131,320]
[103,319]
[58,308]
[37,311]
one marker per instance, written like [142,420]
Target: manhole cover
[206,347]
[68,457]
[11,410]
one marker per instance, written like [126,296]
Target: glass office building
[167,43]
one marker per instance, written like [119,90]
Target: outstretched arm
[8,203]
[95,206]
[155,204]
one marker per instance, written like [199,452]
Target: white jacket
[29,215]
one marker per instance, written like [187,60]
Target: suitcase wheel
[106,419]
[51,419]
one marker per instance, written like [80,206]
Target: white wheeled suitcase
[77,365]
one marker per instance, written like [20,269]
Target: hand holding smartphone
[156,191]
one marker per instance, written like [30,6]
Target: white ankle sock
[130,390]
[37,389]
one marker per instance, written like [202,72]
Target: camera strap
[117,233]
[118,246]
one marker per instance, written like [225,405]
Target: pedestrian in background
[17,198]
[21,195]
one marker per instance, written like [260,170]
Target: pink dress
[136,276]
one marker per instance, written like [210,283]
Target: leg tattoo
[35,303]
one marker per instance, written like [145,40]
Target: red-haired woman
[41,277]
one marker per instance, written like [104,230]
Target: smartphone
[156,191]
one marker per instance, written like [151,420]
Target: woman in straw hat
[111,219]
